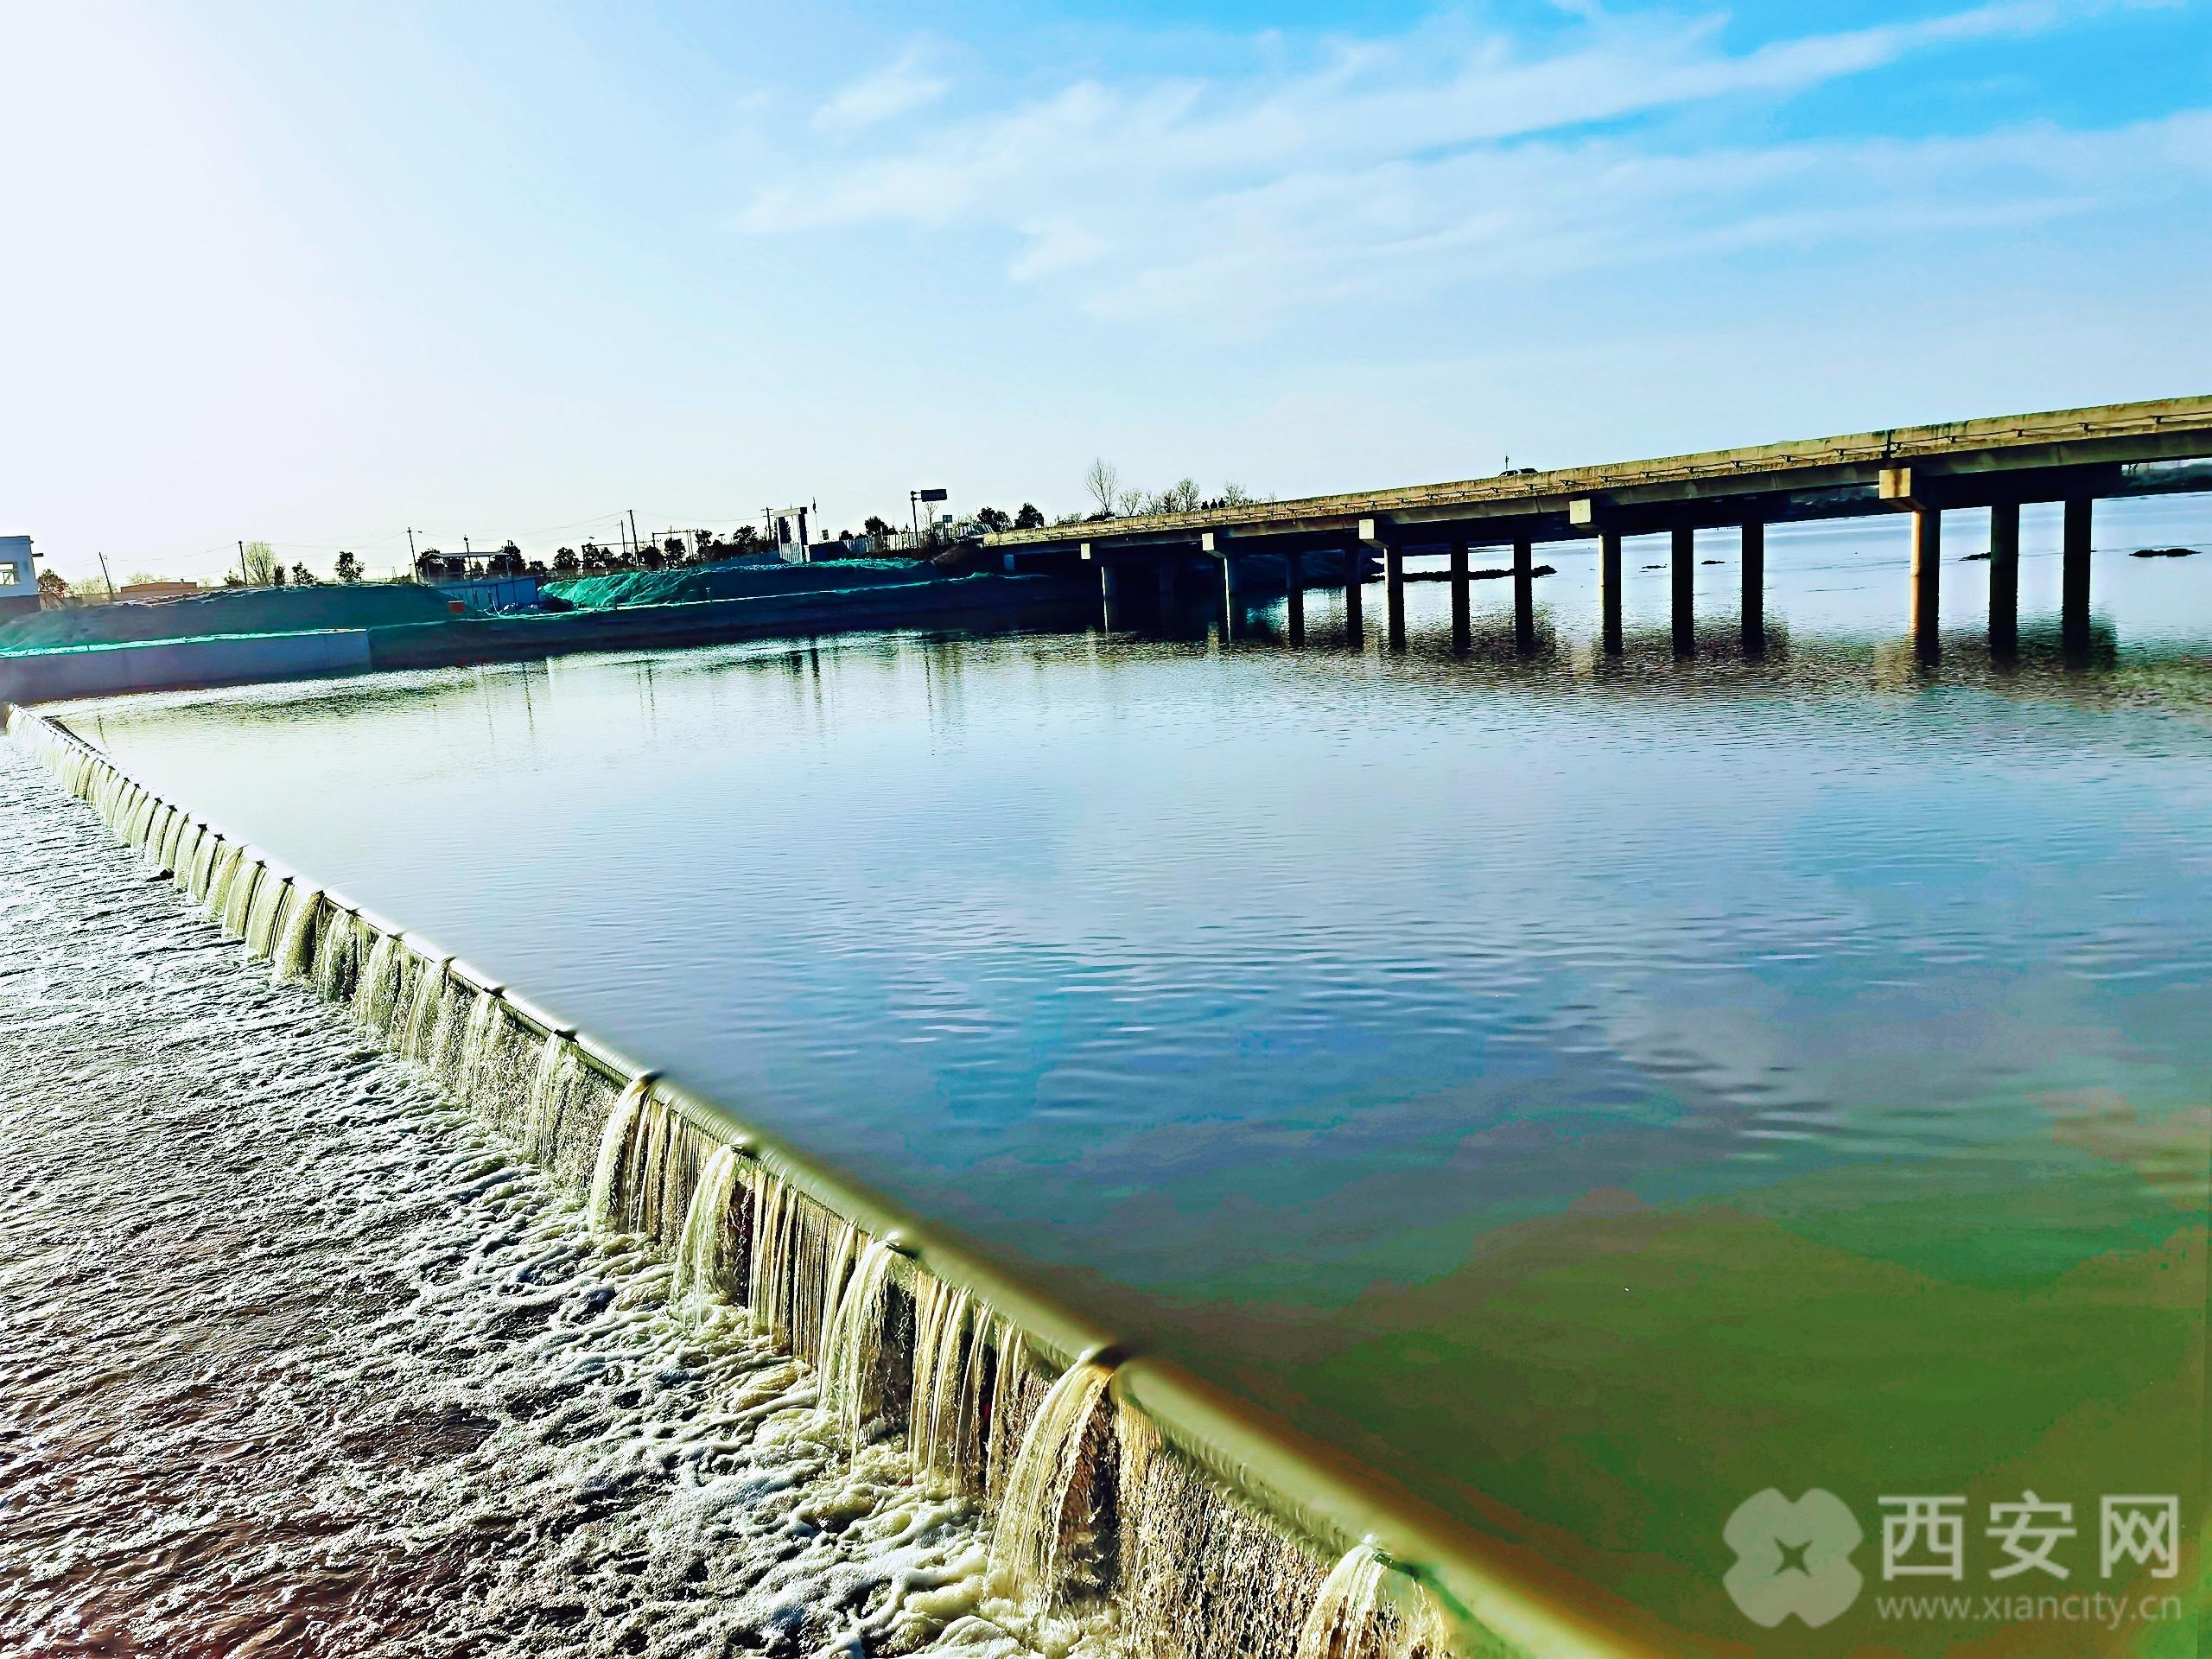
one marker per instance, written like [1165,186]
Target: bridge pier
[1609,590]
[1685,577]
[1525,595]
[1393,593]
[2004,578]
[1109,597]
[1355,574]
[2074,579]
[1462,632]
[1754,588]
[1927,581]
[1232,594]
[1294,576]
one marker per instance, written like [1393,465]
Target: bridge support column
[1293,578]
[1393,593]
[1355,574]
[1462,632]
[2004,578]
[1109,597]
[1525,595]
[1232,594]
[1927,581]
[1754,601]
[1685,577]
[1170,573]
[2074,580]
[1609,591]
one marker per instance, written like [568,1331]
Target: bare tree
[1104,480]
[1181,497]
[1235,495]
[260,566]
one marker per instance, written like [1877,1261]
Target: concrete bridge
[2077,456]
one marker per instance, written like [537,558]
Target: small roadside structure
[18,577]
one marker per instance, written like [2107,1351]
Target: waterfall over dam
[1131,1510]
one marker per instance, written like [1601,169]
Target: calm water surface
[1591,1092]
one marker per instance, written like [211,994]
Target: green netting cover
[733,581]
[230,611]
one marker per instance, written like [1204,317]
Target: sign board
[932,495]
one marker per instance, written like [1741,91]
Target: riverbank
[233,642]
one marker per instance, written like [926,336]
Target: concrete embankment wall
[451,641]
[993,599]
[167,664]
[1222,1519]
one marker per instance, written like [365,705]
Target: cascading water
[292,956]
[1367,1608]
[859,1343]
[337,960]
[710,1255]
[614,1152]
[428,998]
[184,869]
[1046,1548]
[262,913]
[376,990]
[172,826]
[552,1087]
[948,1427]
[244,875]
[212,848]
[464,1060]
[439,1046]
[801,1255]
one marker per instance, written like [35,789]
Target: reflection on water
[1596,1090]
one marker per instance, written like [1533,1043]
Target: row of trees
[1028,518]
[591,558]
[1102,480]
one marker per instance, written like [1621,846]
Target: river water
[1590,1092]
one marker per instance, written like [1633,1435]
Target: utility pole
[633,533]
[243,578]
[413,573]
[107,578]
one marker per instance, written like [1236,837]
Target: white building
[18,578]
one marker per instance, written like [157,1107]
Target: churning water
[1591,1093]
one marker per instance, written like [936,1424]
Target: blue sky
[315,274]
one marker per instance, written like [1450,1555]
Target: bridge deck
[2112,449]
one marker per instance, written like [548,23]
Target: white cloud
[898,88]
[1389,166]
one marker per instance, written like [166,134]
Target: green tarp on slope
[231,611]
[687,583]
